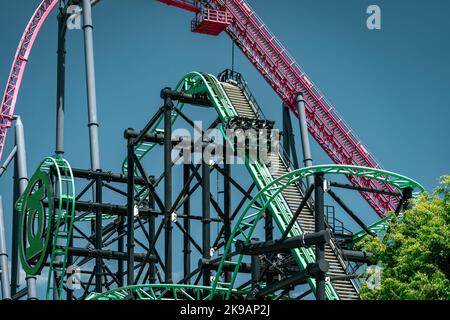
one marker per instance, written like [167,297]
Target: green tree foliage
[414,254]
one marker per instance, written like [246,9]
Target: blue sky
[390,85]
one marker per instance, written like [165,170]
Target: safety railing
[211,15]
[334,223]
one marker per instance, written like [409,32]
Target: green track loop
[268,197]
[61,220]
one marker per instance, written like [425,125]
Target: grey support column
[289,138]
[90,83]
[8,160]
[307,157]
[286,132]
[6,285]
[94,140]
[23,181]
[15,271]
[60,84]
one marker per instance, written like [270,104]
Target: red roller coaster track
[273,62]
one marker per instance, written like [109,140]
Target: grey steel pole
[8,160]
[289,138]
[15,274]
[60,84]
[307,157]
[60,104]
[90,82]
[286,132]
[23,181]
[6,285]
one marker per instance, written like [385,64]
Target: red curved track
[273,62]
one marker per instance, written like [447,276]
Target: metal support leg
[289,144]
[151,233]
[120,248]
[168,188]
[227,204]
[255,269]
[268,230]
[60,84]
[15,274]
[186,226]
[6,289]
[407,195]
[90,81]
[23,181]
[8,160]
[319,226]
[286,132]
[206,221]
[130,213]
[98,237]
[307,157]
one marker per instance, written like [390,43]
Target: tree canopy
[414,254]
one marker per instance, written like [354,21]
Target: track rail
[60,220]
[19,65]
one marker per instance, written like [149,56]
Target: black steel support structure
[151,233]
[98,236]
[186,225]
[227,203]
[130,213]
[145,208]
[206,222]
[351,213]
[168,107]
[255,271]
[319,216]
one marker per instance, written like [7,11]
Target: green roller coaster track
[61,218]
[269,194]
[162,292]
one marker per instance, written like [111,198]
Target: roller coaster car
[211,22]
[246,123]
